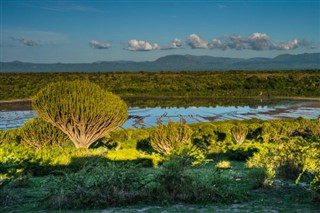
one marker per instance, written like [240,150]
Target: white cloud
[256,41]
[175,44]
[295,43]
[196,42]
[138,45]
[217,44]
[99,45]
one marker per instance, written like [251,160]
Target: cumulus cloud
[217,44]
[175,44]
[293,44]
[256,41]
[99,45]
[196,42]
[138,45]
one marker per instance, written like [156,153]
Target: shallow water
[152,116]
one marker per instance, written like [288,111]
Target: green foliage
[173,84]
[170,138]
[10,136]
[148,160]
[15,158]
[205,136]
[37,133]
[224,164]
[80,109]
[126,138]
[98,185]
[289,159]
[177,182]
[258,177]
[241,152]
[172,179]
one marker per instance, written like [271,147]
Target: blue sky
[144,30]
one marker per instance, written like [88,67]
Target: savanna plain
[73,157]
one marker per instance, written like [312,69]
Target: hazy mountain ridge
[175,63]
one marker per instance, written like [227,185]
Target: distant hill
[175,63]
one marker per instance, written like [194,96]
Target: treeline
[227,84]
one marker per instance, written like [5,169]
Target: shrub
[126,138]
[80,109]
[177,181]
[167,139]
[172,180]
[205,136]
[258,177]
[224,164]
[37,133]
[241,152]
[14,157]
[95,185]
[10,136]
[289,159]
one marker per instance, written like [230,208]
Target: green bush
[167,139]
[80,109]
[37,133]
[126,138]
[15,158]
[172,180]
[177,181]
[10,136]
[205,137]
[96,186]
[241,152]
[289,159]
[258,177]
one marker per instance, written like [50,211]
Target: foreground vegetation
[214,170]
[174,84]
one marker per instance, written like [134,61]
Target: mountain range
[175,63]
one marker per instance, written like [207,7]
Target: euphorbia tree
[80,109]
[167,139]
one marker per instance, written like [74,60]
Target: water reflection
[142,116]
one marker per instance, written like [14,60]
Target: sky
[47,31]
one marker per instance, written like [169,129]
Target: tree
[80,109]
[167,139]
[239,133]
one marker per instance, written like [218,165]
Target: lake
[13,115]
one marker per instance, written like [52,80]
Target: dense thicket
[174,84]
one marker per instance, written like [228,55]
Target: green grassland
[226,84]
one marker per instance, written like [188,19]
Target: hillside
[175,63]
